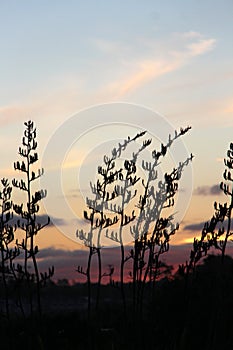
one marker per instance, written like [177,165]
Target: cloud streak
[199,226]
[67,261]
[208,190]
[41,219]
[150,68]
[146,71]
[201,47]
[12,114]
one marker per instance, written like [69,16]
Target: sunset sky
[172,57]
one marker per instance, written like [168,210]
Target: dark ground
[177,316]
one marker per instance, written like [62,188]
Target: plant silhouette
[6,238]
[124,204]
[216,232]
[105,192]
[28,214]
[131,207]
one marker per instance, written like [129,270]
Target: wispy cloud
[220,160]
[207,190]
[42,219]
[128,67]
[13,113]
[228,108]
[67,261]
[194,227]
[144,69]
[197,227]
[190,35]
[201,47]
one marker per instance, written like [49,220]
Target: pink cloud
[144,70]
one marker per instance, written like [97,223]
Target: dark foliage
[205,322]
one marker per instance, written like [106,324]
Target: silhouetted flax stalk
[103,192]
[215,233]
[3,270]
[122,184]
[89,282]
[6,237]
[150,243]
[87,238]
[99,220]
[29,223]
[128,192]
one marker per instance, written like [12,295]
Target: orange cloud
[229,108]
[145,70]
[10,114]
[201,47]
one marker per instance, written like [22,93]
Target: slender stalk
[228,233]
[5,283]
[19,296]
[122,249]
[6,237]
[37,278]
[98,249]
[31,226]
[99,277]
[88,274]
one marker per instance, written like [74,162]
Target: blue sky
[174,57]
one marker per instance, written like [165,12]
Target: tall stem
[5,283]
[89,283]
[228,233]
